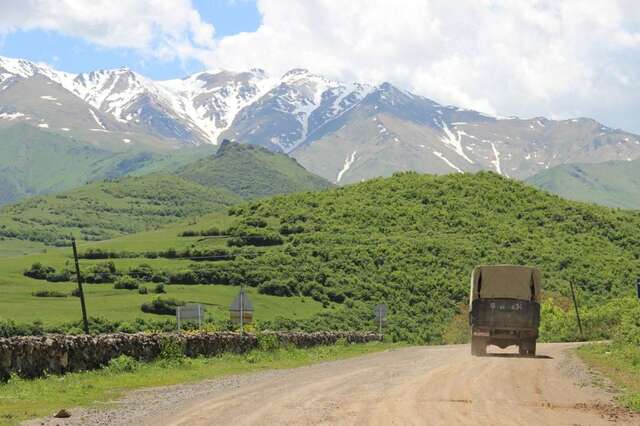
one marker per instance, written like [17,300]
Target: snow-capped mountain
[344,132]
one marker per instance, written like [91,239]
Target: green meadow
[18,303]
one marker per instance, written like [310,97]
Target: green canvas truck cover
[505,282]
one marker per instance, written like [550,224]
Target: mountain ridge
[344,132]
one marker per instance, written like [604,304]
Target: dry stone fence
[33,356]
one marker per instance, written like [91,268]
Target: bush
[143,290]
[275,289]
[38,271]
[59,277]
[161,306]
[126,283]
[146,273]
[48,293]
[101,273]
[8,328]
[268,342]
[171,350]
[159,289]
[123,364]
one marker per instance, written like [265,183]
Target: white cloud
[558,58]
[164,28]
[549,57]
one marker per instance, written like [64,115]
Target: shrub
[275,289]
[146,273]
[268,342]
[38,271]
[59,277]
[8,328]
[126,283]
[255,222]
[171,350]
[48,293]
[143,290]
[159,289]
[161,306]
[122,364]
[101,273]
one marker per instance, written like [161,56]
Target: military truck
[504,308]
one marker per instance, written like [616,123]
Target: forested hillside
[412,240]
[252,172]
[105,210]
[127,205]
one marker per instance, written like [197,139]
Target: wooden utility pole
[241,309]
[575,305]
[82,304]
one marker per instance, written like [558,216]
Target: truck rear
[504,308]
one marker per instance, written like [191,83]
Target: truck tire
[478,346]
[527,348]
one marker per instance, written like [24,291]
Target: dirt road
[438,385]
[415,386]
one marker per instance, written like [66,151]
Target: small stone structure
[33,356]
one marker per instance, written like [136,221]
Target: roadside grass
[25,399]
[621,364]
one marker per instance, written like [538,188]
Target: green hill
[613,183]
[412,240]
[37,161]
[409,241]
[108,209]
[252,172]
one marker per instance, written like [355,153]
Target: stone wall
[33,356]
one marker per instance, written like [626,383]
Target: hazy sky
[559,58]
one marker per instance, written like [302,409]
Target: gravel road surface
[437,385]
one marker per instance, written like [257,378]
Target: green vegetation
[613,183]
[620,359]
[412,240]
[252,172]
[25,399]
[10,247]
[36,161]
[162,306]
[409,241]
[108,209]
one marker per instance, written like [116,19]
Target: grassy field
[24,399]
[11,247]
[621,364]
[17,302]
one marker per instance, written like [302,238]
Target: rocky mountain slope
[344,132]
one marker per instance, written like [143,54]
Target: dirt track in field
[438,385]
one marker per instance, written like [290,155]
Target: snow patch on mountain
[97,120]
[212,109]
[453,141]
[347,165]
[446,160]
[496,162]
[11,116]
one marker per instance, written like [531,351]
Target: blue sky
[74,54]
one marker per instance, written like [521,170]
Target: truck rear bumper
[506,334]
